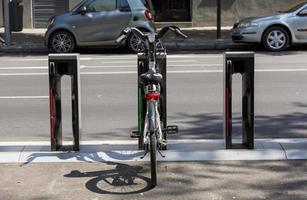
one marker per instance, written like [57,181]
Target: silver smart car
[276,32]
[98,23]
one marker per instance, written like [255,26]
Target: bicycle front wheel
[153,159]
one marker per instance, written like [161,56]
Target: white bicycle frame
[155,119]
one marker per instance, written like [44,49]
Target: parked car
[98,23]
[276,32]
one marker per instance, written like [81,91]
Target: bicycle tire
[153,159]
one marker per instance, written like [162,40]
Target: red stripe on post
[227,112]
[52,116]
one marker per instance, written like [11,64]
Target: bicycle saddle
[150,78]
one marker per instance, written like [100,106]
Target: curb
[178,150]
[11,50]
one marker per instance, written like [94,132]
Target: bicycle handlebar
[143,36]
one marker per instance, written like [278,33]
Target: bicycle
[152,133]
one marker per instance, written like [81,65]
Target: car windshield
[293,7]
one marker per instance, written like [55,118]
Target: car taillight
[148,15]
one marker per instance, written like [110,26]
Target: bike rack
[243,63]
[142,68]
[60,65]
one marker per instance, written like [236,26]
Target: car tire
[135,44]
[62,42]
[276,39]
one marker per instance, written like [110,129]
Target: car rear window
[148,4]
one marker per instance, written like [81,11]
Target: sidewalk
[32,40]
[116,172]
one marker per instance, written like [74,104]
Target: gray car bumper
[246,35]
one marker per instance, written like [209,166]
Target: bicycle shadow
[87,157]
[122,180]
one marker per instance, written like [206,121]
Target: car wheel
[276,39]
[62,42]
[135,44]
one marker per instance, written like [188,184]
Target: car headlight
[249,24]
[51,20]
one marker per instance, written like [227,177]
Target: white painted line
[281,70]
[135,61]
[170,72]
[106,57]
[16,59]
[37,59]
[25,143]
[194,71]
[9,157]
[23,74]
[24,97]
[195,65]
[21,68]
[196,56]
[296,154]
[111,66]
[108,73]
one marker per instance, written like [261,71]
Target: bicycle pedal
[135,134]
[172,130]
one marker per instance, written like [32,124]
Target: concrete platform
[178,150]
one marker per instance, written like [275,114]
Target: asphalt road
[195,83]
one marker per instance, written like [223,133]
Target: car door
[101,20]
[299,25]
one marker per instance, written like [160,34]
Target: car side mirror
[303,13]
[82,10]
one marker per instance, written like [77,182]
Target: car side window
[303,12]
[123,6]
[102,6]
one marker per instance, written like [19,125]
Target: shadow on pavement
[210,125]
[87,155]
[122,180]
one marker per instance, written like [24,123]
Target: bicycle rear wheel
[153,159]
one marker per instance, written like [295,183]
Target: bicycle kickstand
[146,152]
[163,156]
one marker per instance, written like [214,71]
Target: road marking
[37,59]
[24,97]
[106,57]
[135,61]
[21,68]
[110,66]
[170,72]
[23,74]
